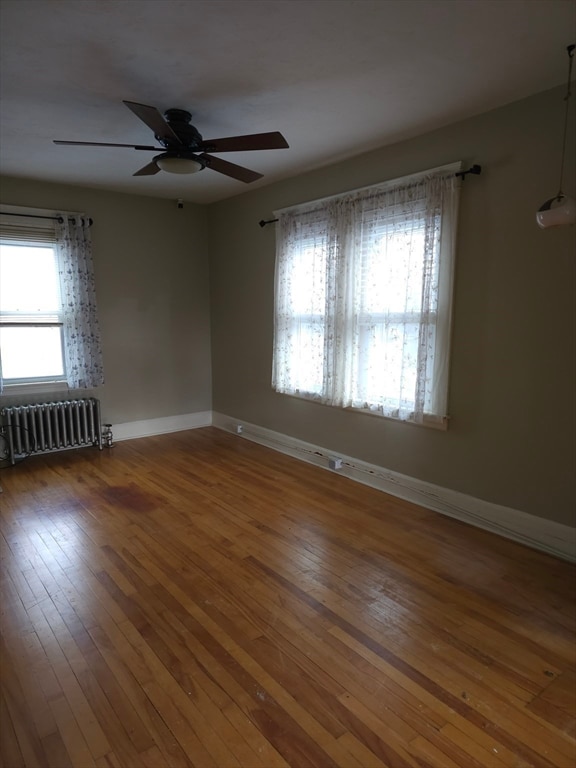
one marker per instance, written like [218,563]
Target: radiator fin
[51,426]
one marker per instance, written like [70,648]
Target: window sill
[34,388]
[429,421]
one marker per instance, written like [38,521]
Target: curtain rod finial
[475,169]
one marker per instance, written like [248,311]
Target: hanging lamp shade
[560,209]
[556,212]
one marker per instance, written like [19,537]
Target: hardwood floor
[198,600]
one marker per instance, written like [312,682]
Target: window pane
[392,272]
[28,279]
[307,283]
[387,364]
[31,352]
[305,356]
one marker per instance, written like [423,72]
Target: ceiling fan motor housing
[179,121]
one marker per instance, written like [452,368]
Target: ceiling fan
[184,150]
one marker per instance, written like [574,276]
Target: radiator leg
[10,437]
[97,422]
[108,436]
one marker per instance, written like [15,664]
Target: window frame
[8,319]
[438,322]
[34,227]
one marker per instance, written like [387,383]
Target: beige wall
[512,401]
[151,270]
[512,385]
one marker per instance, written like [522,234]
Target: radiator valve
[108,436]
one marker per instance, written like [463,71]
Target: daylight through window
[48,324]
[363,297]
[31,313]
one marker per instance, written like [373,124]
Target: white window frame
[32,227]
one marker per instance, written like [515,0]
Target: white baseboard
[536,532]
[148,427]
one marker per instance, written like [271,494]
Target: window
[30,313]
[363,298]
[48,324]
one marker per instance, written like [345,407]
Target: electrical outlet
[334,462]
[239,429]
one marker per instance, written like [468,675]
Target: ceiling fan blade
[105,144]
[230,169]
[153,120]
[273,140]
[148,170]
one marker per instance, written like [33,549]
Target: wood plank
[71,734]
[10,751]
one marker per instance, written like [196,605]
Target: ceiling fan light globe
[179,164]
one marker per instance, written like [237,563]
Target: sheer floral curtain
[82,347]
[363,295]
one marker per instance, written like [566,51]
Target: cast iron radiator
[50,426]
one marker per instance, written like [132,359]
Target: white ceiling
[336,77]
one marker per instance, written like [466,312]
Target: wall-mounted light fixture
[560,209]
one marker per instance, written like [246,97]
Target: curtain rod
[476,170]
[35,216]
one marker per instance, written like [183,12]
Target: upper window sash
[36,228]
[32,225]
